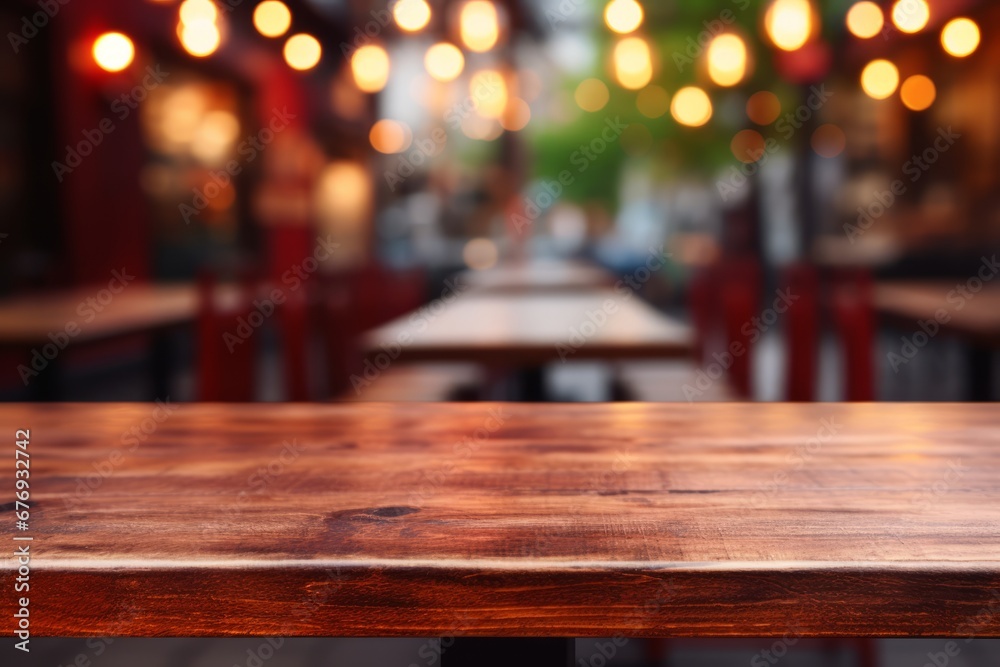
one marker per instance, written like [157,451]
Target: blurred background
[570,200]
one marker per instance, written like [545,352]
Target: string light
[960,37]
[879,79]
[113,51]
[727,60]
[623,16]
[272,18]
[370,66]
[789,23]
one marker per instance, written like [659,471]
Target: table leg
[505,652]
[979,360]
[161,364]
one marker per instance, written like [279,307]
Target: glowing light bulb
[789,23]
[113,51]
[302,51]
[910,15]
[633,63]
[865,20]
[623,16]
[879,79]
[918,92]
[727,60]
[411,15]
[960,37]
[200,38]
[479,25]
[370,66]
[691,106]
[272,18]
[444,61]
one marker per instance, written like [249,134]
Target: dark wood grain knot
[371,514]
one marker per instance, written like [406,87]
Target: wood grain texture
[525,329]
[513,519]
[953,304]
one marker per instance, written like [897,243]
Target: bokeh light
[633,63]
[516,116]
[198,11]
[865,19]
[653,101]
[727,60]
[214,136]
[411,15]
[763,107]
[489,90]
[691,106]
[390,136]
[960,37]
[591,95]
[370,66]
[113,51]
[479,25]
[879,79]
[910,15]
[747,146]
[200,38]
[343,192]
[444,61]
[918,92]
[480,254]
[272,18]
[828,140]
[789,23]
[623,16]
[302,51]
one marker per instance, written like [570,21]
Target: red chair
[293,325]
[802,331]
[702,295]
[227,350]
[740,291]
[854,318]
[339,330]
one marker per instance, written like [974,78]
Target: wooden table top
[539,275]
[952,303]
[507,328]
[95,313]
[511,519]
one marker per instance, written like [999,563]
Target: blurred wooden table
[511,520]
[952,306]
[47,323]
[540,276]
[525,329]
[30,320]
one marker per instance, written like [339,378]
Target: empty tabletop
[94,313]
[539,275]
[533,328]
[510,520]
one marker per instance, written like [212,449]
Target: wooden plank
[526,329]
[512,519]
